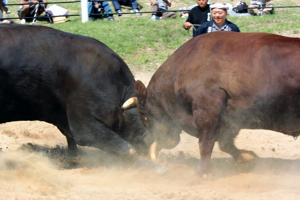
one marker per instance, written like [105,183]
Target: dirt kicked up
[34,165]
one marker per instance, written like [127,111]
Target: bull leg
[207,118]
[105,139]
[206,145]
[72,147]
[206,139]
[87,131]
[226,144]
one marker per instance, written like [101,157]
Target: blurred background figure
[132,3]
[100,9]
[27,11]
[255,6]
[4,8]
[198,15]
[162,6]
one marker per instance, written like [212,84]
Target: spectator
[162,6]
[198,15]
[219,22]
[26,12]
[132,3]
[99,7]
[255,5]
[4,8]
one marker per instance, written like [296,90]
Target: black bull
[218,83]
[74,82]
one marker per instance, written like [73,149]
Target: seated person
[96,8]
[198,15]
[26,12]
[162,6]
[4,8]
[132,3]
[254,7]
[219,22]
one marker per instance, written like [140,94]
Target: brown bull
[221,82]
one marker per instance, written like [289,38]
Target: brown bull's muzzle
[131,102]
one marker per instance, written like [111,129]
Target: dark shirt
[207,27]
[199,16]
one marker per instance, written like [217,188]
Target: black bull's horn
[131,102]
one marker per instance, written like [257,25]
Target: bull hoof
[246,158]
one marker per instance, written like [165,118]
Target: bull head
[161,132]
[131,128]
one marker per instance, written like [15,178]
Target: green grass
[145,44]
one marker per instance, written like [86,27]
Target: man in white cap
[219,22]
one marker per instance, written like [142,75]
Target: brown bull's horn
[131,102]
[153,150]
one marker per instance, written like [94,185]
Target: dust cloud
[35,165]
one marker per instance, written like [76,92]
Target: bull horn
[153,149]
[131,102]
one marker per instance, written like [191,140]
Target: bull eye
[145,121]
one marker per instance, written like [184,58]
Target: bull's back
[45,50]
[237,62]
[43,69]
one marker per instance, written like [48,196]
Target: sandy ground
[34,165]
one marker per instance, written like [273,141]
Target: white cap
[219,5]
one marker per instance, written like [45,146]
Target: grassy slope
[145,44]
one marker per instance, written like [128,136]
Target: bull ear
[140,91]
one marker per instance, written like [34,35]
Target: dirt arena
[34,165]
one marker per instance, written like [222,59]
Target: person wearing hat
[218,22]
